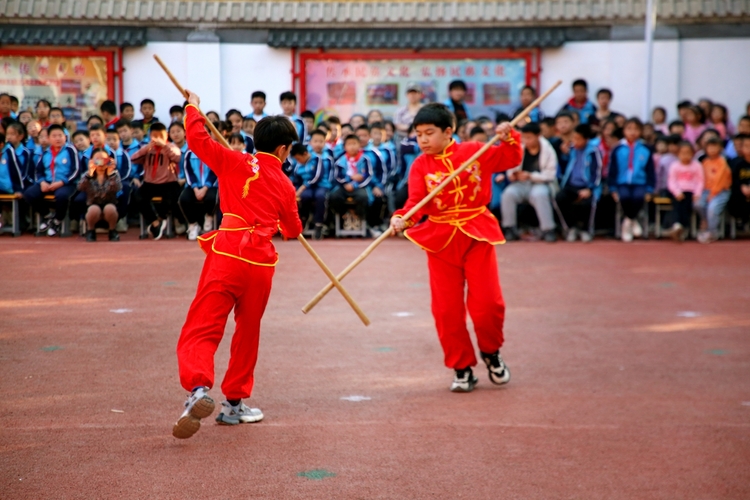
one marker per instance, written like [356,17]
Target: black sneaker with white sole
[158,231]
[45,223]
[498,371]
[54,228]
[464,381]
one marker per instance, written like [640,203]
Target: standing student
[56,173]
[5,106]
[176,114]
[459,235]
[456,100]
[258,103]
[57,117]
[43,107]
[198,199]
[528,94]
[685,185]
[405,115]
[257,200]
[603,100]
[108,109]
[314,178]
[378,180]
[148,108]
[288,101]
[127,111]
[632,178]
[580,103]
[160,163]
[659,119]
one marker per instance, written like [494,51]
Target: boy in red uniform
[257,200]
[458,236]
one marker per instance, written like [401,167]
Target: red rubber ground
[630,363]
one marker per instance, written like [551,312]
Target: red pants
[466,260]
[225,283]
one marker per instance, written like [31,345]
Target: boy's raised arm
[202,145]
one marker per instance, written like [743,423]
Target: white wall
[224,75]
[686,69]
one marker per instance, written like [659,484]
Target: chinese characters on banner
[76,84]
[346,87]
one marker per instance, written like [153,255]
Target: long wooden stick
[428,198]
[300,238]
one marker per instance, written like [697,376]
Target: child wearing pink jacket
[685,185]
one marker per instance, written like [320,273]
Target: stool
[170,222]
[13,199]
[352,224]
[661,204]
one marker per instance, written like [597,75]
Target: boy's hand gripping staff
[302,240]
[428,198]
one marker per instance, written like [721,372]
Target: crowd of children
[586,170]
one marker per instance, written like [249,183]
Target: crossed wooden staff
[426,200]
[334,281]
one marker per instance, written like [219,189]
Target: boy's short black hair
[137,124]
[678,123]
[741,137]
[287,96]
[634,120]
[272,132]
[531,128]
[157,127]
[248,119]
[236,138]
[363,127]
[501,117]
[13,99]
[580,82]
[324,125]
[584,130]
[122,123]
[307,114]
[684,104]
[673,139]
[565,114]
[351,137]
[54,127]
[434,114]
[56,108]
[176,109]
[96,126]
[108,106]
[18,127]
[232,112]
[298,149]
[84,133]
[686,144]
[349,125]
[457,84]
[549,121]
[319,132]
[618,133]
[745,118]
[94,117]
[334,119]
[604,91]
[715,141]
[377,125]
[529,87]
[176,124]
[125,106]
[113,131]
[148,101]
[477,130]
[660,108]
[4,94]
[258,93]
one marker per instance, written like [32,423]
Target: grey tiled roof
[351,14]
[459,38]
[90,36]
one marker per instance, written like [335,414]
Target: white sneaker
[586,237]
[626,231]
[122,225]
[208,223]
[193,231]
[198,405]
[572,235]
[637,229]
[54,227]
[675,232]
[179,228]
[464,381]
[375,232]
[240,414]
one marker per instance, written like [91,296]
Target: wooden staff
[428,198]
[334,282]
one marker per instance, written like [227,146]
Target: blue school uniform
[249,143]
[452,107]
[364,167]
[131,148]
[390,161]
[631,165]
[584,169]
[197,173]
[299,125]
[379,171]
[85,156]
[584,112]
[181,165]
[535,116]
[14,166]
[62,166]
[314,174]
[408,152]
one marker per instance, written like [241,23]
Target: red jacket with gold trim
[256,198]
[462,206]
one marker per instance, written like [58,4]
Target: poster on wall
[76,84]
[346,87]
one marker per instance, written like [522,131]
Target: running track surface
[630,363]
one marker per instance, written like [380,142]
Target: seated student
[248,129]
[528,94]
[407,153]
[100,184]
[56,172]
[176,134]
[43,107]
[731,150]
[234,118]
[739,201]
[313,176]
[127,112]
[125,132]
[531,182]
[309,118]
[258,103]
[15,162]
[125,169]
[685,186]
[677,127]
[57,117]
[198,199]
[5,106]
[659,119]
[237,143]
[378,183]
[160,161]
[352,176]
[81,142]
[387,150]
[564,125]
[176,114]
[108,109]
[579,104]
[548,129]
[718,184]
[37,144]
[580,185]
[665,161]
[632,178]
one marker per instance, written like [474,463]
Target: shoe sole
[190,424]
[222,419]
[162,228]
[458,388]
[501,381]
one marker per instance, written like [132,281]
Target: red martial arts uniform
[257,200]
[458,236]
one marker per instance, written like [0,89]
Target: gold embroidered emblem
[255,168]
[432,181]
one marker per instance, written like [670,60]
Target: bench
[13,199]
